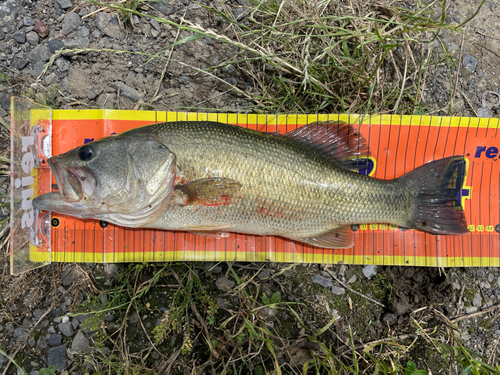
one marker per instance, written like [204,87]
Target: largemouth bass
[213,178]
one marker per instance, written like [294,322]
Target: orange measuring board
[396,144]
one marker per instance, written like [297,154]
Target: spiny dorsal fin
[338,141]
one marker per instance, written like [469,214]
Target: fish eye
[85,153]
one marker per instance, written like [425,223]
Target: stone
[224,284]
[484,112]
[28,21]
[91,94]
[477,300]
[155,24]
[80,342]
[70,23]
[369,271]
[109,25]
[55,45]
[106,100]
[57,356]
[337,290]
[19,37]
[127,92]
[323,281]
[42,30]
[470,309]
[64,4]
[84,31]
[50,79]
[77,43]
[69,274]
[54,339]
[33,38]
[162,6]
[19,64]
[469,62]
[390,318]
[40,53]
[19,333]
[66,329]
[352,279]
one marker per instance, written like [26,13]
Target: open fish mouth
[68,180]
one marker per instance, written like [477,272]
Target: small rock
[64,4]
[54,339]
[127,92]
[33,38]
[51,329]
[162,6]
[390,318]
[369,271]
[57,356]
[42,29]
[19,333]
[498,281]
[56,312]
[55,45]
[31,341]
[63,65]
[19,37]
[264,274]
[70,23]
[491,277]
[75,323]
[337,290]
[134,318]
[106,100]
[28,21]
[77,43]
[40,53]
[477,300]
[155,24]
[224,284]
[240,13]
[109,25]
[469,62]
[103,297]
[231,80]
[342,270]
[80,342]
[352,279]
[65,319]
[456,285]
[484,112]
[50,79]
[42,342]
[84,31]
[38,313]
[323,281]
[19,64]
[69,274]
[481,273]
[104,43]
[66,329]
[470,309]
[91,94]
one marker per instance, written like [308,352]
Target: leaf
[258,370]
[265,300]
[275,298]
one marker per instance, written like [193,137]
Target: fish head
[130,175]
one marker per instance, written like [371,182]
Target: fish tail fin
[436,206]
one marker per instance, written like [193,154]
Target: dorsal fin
[338,141]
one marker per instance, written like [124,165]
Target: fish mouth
[68,181]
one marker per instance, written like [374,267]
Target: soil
[40,298]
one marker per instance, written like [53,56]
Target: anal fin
[339,238]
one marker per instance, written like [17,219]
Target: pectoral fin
[209,191]
[338,238]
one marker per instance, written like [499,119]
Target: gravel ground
[31,32]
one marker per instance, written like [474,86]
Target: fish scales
[285,187]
